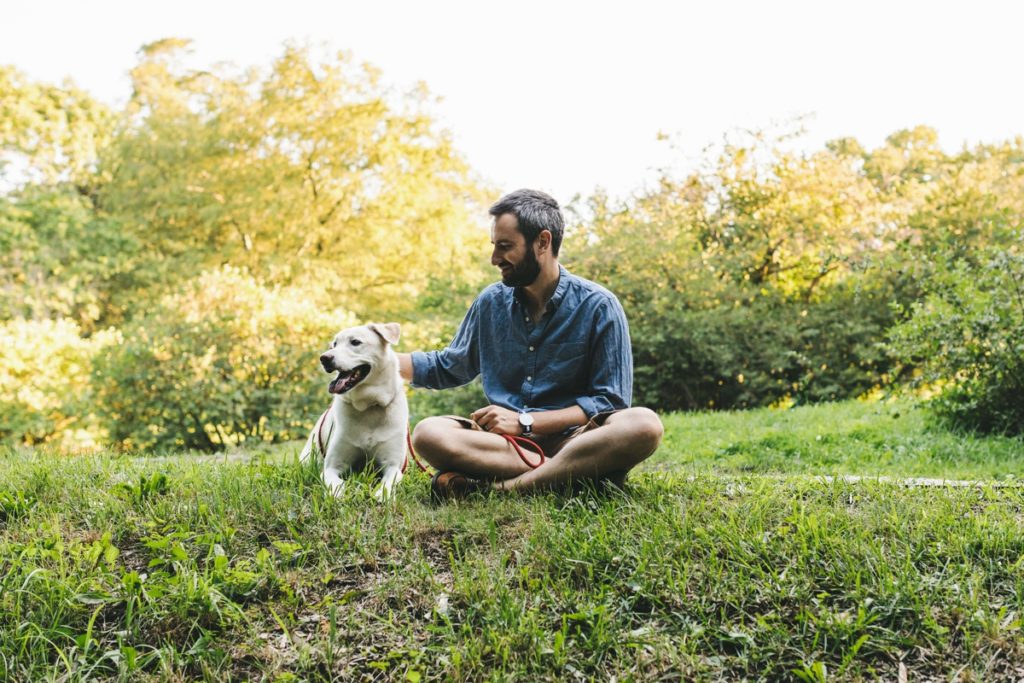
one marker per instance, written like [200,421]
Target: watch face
[525,419]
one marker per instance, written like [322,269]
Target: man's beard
[524,274]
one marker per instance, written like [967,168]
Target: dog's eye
[333,344]
[355,342]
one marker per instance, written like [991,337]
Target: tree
[48,133]
[309,174]
[60,260]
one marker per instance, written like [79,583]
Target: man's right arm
[405,366]
[453,366]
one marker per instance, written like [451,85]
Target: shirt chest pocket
[567,362]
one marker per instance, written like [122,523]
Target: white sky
[568,96]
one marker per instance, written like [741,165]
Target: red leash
[533,445]
[408,440]
[513,441]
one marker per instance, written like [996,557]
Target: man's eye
[355,342]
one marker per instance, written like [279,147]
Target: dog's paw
[382,494]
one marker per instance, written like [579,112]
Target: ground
[730,556]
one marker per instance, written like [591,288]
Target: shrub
[221,361]
[967,336]
[764,351]
[44,377]
[458,401]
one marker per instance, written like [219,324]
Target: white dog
[369,416]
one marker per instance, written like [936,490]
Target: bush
[221,361]
[771,349]
[44,377]
[967,337]
[458,401]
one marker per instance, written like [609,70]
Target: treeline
[168,269]
[770,277]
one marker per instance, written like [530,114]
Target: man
[554,353]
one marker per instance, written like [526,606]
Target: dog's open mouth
[347,379]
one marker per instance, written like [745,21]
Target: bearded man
[554,355]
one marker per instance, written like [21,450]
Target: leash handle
[532,446]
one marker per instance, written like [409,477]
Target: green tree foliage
[768,275]
[59,259]
[967,337]
[765,351]
[50,133]
[257,197]
[44,382]
[310,173]
[222,360]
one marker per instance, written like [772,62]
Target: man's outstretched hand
[498,420]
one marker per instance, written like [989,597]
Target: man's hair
[534,211]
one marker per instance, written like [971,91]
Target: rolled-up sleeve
[611,364]
[455,365]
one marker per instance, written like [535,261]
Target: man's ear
[389,332]
[543,240]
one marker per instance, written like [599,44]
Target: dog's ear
[389,332]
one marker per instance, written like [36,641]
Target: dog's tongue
[337,385]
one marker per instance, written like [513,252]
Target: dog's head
[357,352]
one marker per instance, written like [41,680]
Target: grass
[862,438]
[243,569]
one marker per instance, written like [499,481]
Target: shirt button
[529,378]
[531,348]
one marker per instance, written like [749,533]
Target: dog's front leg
[390,457]
[333,481]
[338,461]
[391,475]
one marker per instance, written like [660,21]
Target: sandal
[450,485]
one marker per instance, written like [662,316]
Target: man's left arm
[611,363]
[501,420]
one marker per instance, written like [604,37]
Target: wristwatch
[526,422]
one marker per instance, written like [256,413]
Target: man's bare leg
[448,447]
[625,440]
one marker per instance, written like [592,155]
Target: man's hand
[498,420]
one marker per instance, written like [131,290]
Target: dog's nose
[325,360]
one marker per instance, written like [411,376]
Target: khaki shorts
[551,443]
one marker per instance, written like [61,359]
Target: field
[737,552]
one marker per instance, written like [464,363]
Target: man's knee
[434,438]
[429,435]
[645,430]
[649,427]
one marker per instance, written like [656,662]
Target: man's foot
[614,480]
[449,485]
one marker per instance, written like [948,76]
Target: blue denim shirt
[579,353]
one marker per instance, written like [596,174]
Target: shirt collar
[560,289]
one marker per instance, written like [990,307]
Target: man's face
[518,264]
